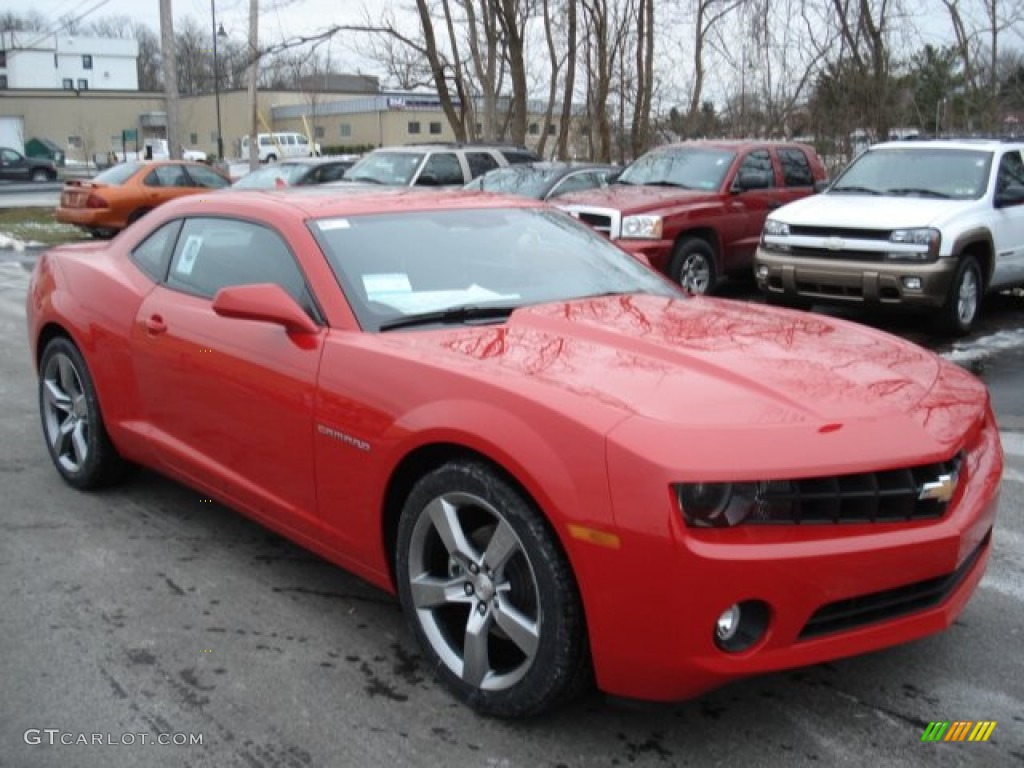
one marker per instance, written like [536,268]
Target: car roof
[973,144]
[733,144]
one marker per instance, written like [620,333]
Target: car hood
[694,362]
[635,199]
[871,211]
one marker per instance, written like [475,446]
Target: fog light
[912,283]
[728,624]
[742,625]
[762,271]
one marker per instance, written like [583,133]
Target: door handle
[156,325]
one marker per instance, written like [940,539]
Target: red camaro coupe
[563,466]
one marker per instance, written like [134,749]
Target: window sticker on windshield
[187,262]
[331,224]
[381,286]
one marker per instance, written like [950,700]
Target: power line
[56,25]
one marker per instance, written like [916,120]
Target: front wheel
[489,595]
[964,301]
[72,422]
[40,175]
[693,266]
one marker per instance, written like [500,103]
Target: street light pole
[216,84]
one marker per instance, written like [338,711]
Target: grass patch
[38,225]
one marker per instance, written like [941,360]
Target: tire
[693,266]
[964,301]
[102,233]
[136,215]
[271,158]
[40,174]
[525,607]
[72,422]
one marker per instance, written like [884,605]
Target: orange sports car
[126,192]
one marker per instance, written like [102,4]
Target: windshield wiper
[864,190]
[667,183]
[450,316]
[369,179]
[916,191]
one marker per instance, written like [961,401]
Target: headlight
[716,505]
[776,228]
[925,243]
[647,227]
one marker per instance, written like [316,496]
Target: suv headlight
[926,240]
[642,227]
[776,228]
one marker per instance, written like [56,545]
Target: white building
[67,62]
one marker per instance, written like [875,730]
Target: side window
[218,253]
[576,183]
[1011,171]
[759,162]
[265,141]
[152,253]
[167,176]
[480,163]
[443,168]
[204,177]
[796,171]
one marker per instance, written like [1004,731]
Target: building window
[69,84]
[414,127]
[83,84]
[318,131]
[87,62]
[193,138]
[346,130]
[3,82]
[479,128]
[551,129]
[74,142]
[3,59]
[435,129]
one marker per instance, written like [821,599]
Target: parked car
[545,180]
[283,144]
[928,224]
[296,173]
[695,210]
[14,166]
[435,165]
[126,192]
[480,405]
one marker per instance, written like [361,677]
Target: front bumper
[85,217]
[652,625]
[851,282]
[658,253]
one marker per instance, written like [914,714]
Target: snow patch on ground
[10,242]
[986,346]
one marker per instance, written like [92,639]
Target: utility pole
[169,59]
[254,73]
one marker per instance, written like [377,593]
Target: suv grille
[915,493]
[598,221]
[892,603]
[845,233]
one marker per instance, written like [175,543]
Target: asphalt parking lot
[148,611]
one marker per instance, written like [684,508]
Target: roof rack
[461,144]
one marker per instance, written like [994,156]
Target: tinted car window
[217,253]
[151,254]
[576,183]
[118,174]
[443,168]
[167,176]
[204,177]
[1011,171]
[758,161]
[796,171]
[480,163]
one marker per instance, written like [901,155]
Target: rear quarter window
[796,170]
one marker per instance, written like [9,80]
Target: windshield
[687,167]
[395,266]
[941,172]
[118,174]
[269,176]
[518,180]
[392,168]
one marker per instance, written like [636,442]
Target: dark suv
[435,165]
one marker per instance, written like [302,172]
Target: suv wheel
[964,300]
[693,266]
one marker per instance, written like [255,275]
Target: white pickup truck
[158,150]
[935,224]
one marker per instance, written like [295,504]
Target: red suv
[695,210]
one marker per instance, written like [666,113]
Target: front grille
[801,251]
[844,233]
[868,497]
[598,221]
[856,612]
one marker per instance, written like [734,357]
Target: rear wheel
[964,301]
[136,215]
[40,174]
[271,158]
[490,596]
[693,266]
[72,422]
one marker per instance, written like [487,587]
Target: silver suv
[932,224]
[435,165]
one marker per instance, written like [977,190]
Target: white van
[277,146]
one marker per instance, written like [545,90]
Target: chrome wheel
[967,297]
[65,413]
[695,275]
[474,591]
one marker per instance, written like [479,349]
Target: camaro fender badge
[834,243]
[355,442]
[940,490]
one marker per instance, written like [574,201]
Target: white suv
[278,146]
[935,224]
[434,165]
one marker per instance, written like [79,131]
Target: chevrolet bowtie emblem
[940,490]
[834,243]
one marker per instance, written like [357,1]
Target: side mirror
[1013,194]
[263,302]
[754,180]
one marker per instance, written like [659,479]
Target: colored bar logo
[959,730]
